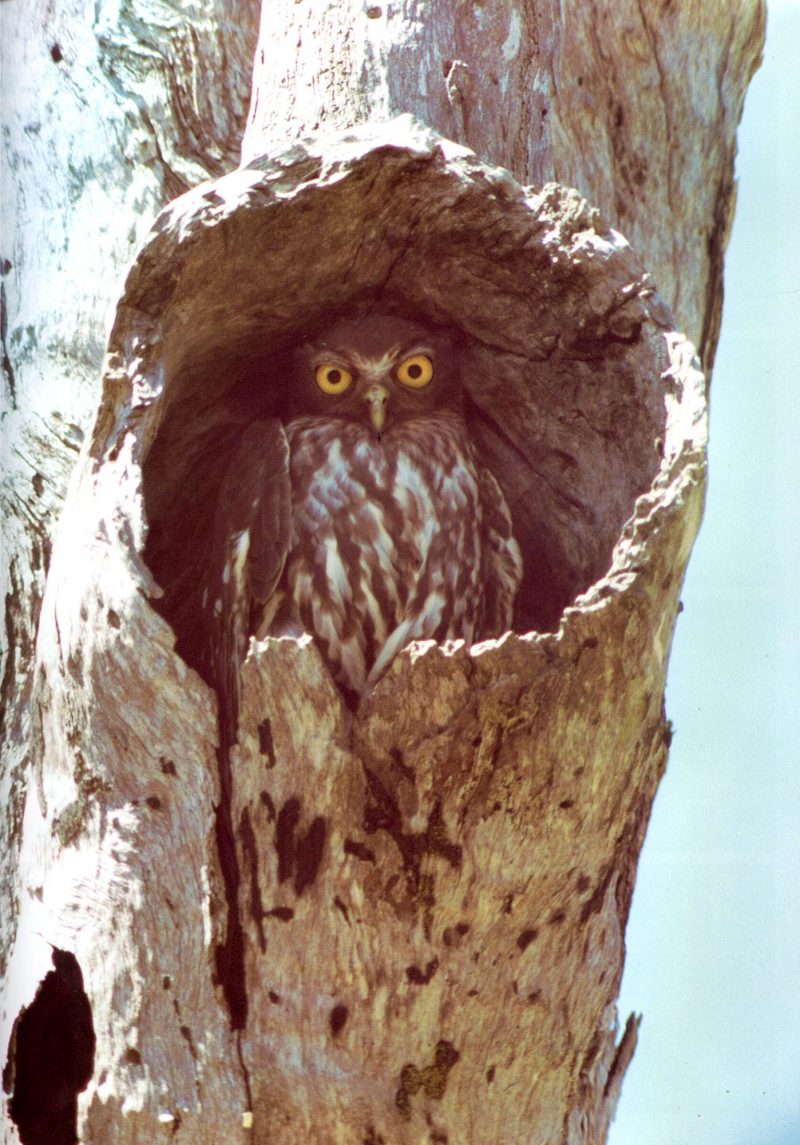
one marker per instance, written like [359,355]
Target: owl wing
[250,539]
[502,559]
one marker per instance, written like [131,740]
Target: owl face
[379,371]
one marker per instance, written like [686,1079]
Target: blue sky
[714,936]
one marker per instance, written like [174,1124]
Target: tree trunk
[430,893]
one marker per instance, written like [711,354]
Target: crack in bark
[230,969]
[675,261]
[8,368]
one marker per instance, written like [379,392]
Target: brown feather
[366,541]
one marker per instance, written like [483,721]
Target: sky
[714,935]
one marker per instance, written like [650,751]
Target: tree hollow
[558,325]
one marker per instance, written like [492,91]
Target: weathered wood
[633,102]
[106,117]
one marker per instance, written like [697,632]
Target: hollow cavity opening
[51,1057]
[572,441]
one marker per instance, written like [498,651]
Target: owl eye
[415,371]
[333,379]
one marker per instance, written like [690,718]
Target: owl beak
[376,397]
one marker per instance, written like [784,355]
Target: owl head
[377,370]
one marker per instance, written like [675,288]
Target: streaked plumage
[371,522]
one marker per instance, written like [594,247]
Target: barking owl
[363,516]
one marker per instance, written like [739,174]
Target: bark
[106,117]
[432,909]
[635,104]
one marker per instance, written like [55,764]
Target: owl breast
[389,541]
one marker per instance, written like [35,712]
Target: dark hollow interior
[192,448]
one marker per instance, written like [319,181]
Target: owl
[363,515]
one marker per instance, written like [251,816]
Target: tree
[418,934]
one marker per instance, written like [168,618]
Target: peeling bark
[432,911]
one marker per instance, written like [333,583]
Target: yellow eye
[416,371]
[333,379]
